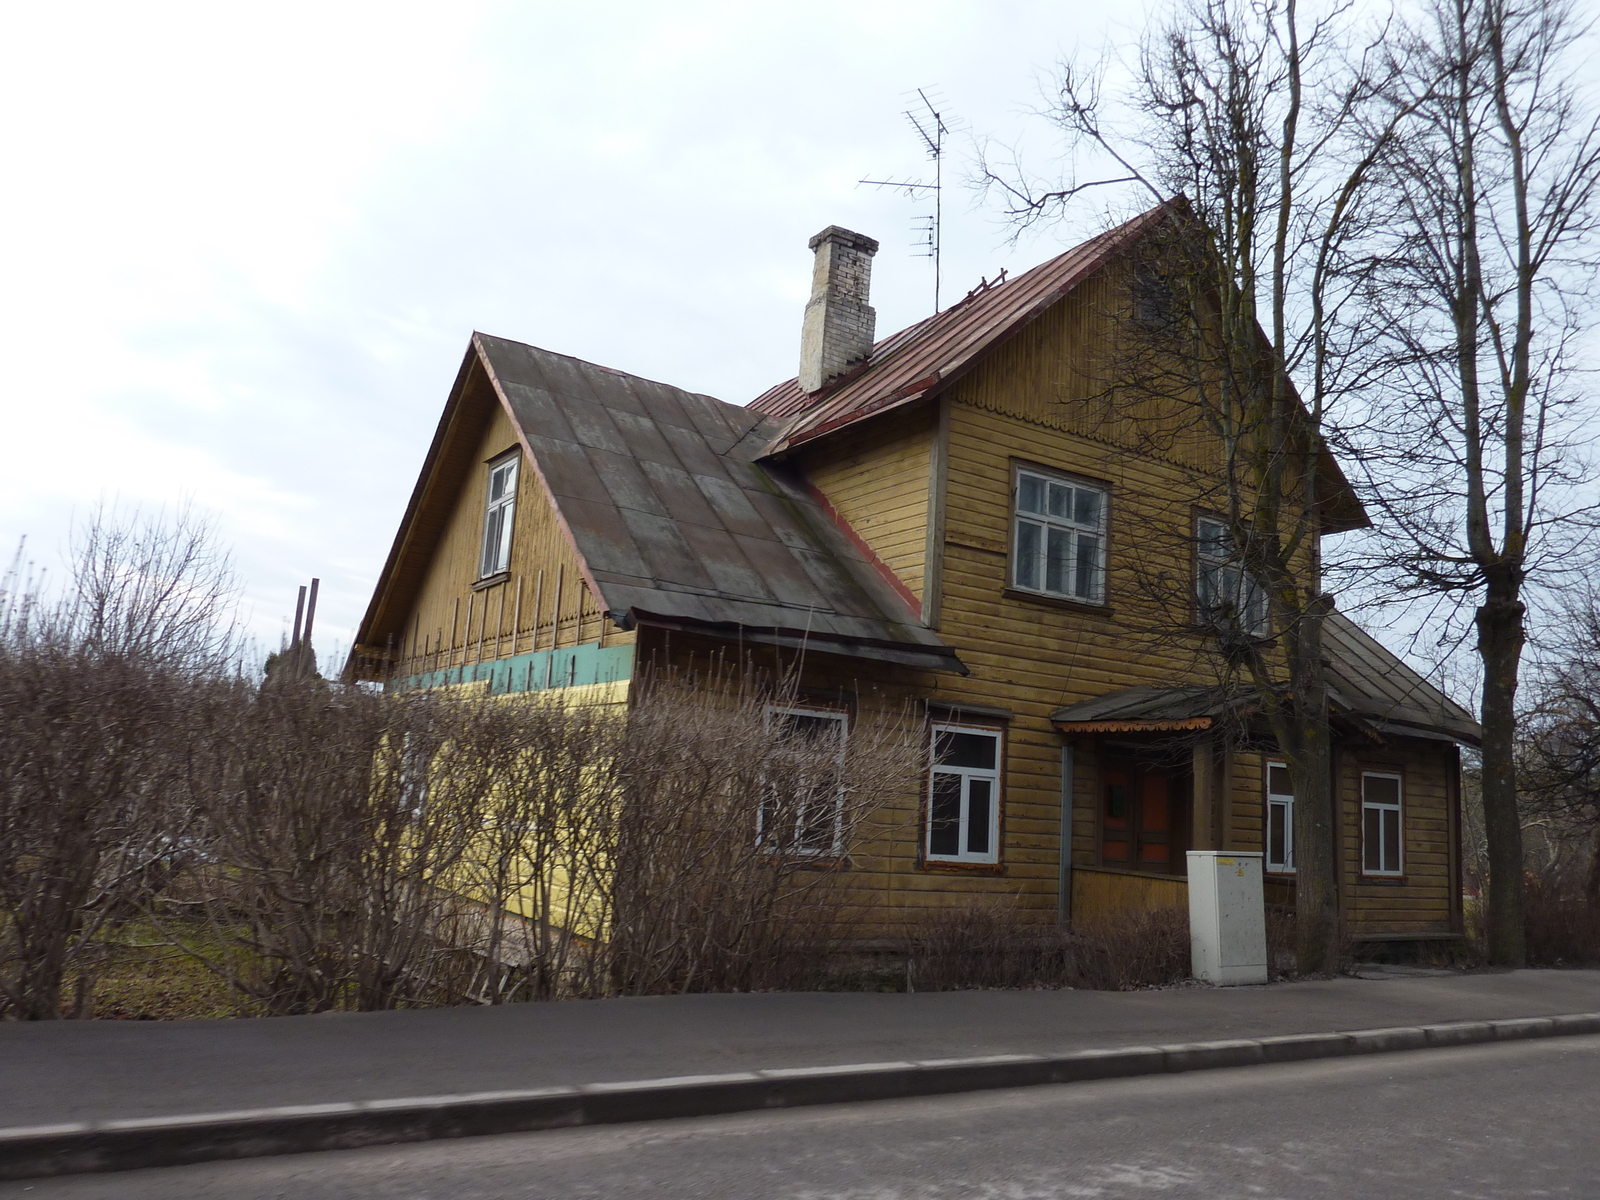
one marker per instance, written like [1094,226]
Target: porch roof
[1366,682]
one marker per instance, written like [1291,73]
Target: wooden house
[942,517]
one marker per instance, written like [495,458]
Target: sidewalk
[63,1072]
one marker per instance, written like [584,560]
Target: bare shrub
[736,828]
[328,845]
[997,946]
[99,692]
[1563,921]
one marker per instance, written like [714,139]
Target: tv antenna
[931,128]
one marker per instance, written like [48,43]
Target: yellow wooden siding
[876,477]
[1419,901]
[451,624]
[1097,894]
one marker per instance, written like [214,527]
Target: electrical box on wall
[1227,917]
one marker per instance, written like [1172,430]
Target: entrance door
[1142,810]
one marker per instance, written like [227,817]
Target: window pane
[502,556]
[491,541]
[966,749]
[1030,494]
[944,814]
[979,800]
[1372,839]
[1088,566]
[1028,554]
[1213,539]
[1117,805]
[1060,501]
[1380,789]
[1056,578]
[1391,839]
[1278,781]
[1275,836]
[1087,508]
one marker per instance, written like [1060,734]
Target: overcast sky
[243,246]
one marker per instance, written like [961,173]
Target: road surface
[1506,1120]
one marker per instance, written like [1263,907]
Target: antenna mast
[931,128]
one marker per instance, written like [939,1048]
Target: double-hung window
[964,795]
[1280,818]
[802,802]
[1380,824]
[1060,538]
[1225,594]
[500,507]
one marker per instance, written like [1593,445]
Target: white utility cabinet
[1227,917]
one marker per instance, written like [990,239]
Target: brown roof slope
[1365,680]
[678,525]
[906,366]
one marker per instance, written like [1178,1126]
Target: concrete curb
[36,1151]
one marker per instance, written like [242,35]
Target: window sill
[939,865]
[1093,610]
[489,581]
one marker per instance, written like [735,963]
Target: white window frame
[1382,809]
[796,845]
[966,776]
[1220,582]
[499,515]
[1280,807]
[1030,566]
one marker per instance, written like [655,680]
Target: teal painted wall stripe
[572,666]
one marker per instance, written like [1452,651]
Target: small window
[964,795]
[805,814]
[1280,819]
[1380,824]
[499,510]
[1225,595]
[1059,547]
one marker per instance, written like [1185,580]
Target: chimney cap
[845,237]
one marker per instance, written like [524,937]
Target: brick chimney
[839,321]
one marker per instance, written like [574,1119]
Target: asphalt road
[1506,1120]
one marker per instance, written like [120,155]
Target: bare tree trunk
[1500,641]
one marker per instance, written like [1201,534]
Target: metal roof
[1365,680]
[908,365]
[678,525]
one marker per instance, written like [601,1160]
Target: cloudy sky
[243,246]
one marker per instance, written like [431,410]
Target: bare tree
[1478,284]
[1248,124]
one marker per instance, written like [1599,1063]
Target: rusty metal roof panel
[674,519]
[908,365]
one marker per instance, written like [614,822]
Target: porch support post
[1203,773]
[1064,878]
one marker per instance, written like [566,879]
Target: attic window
[500,506]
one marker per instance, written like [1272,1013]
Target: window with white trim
[1225,594]
[1058,547]
[964,795]
[803,812]
[1280,818]
[1380,824]
[500,506]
